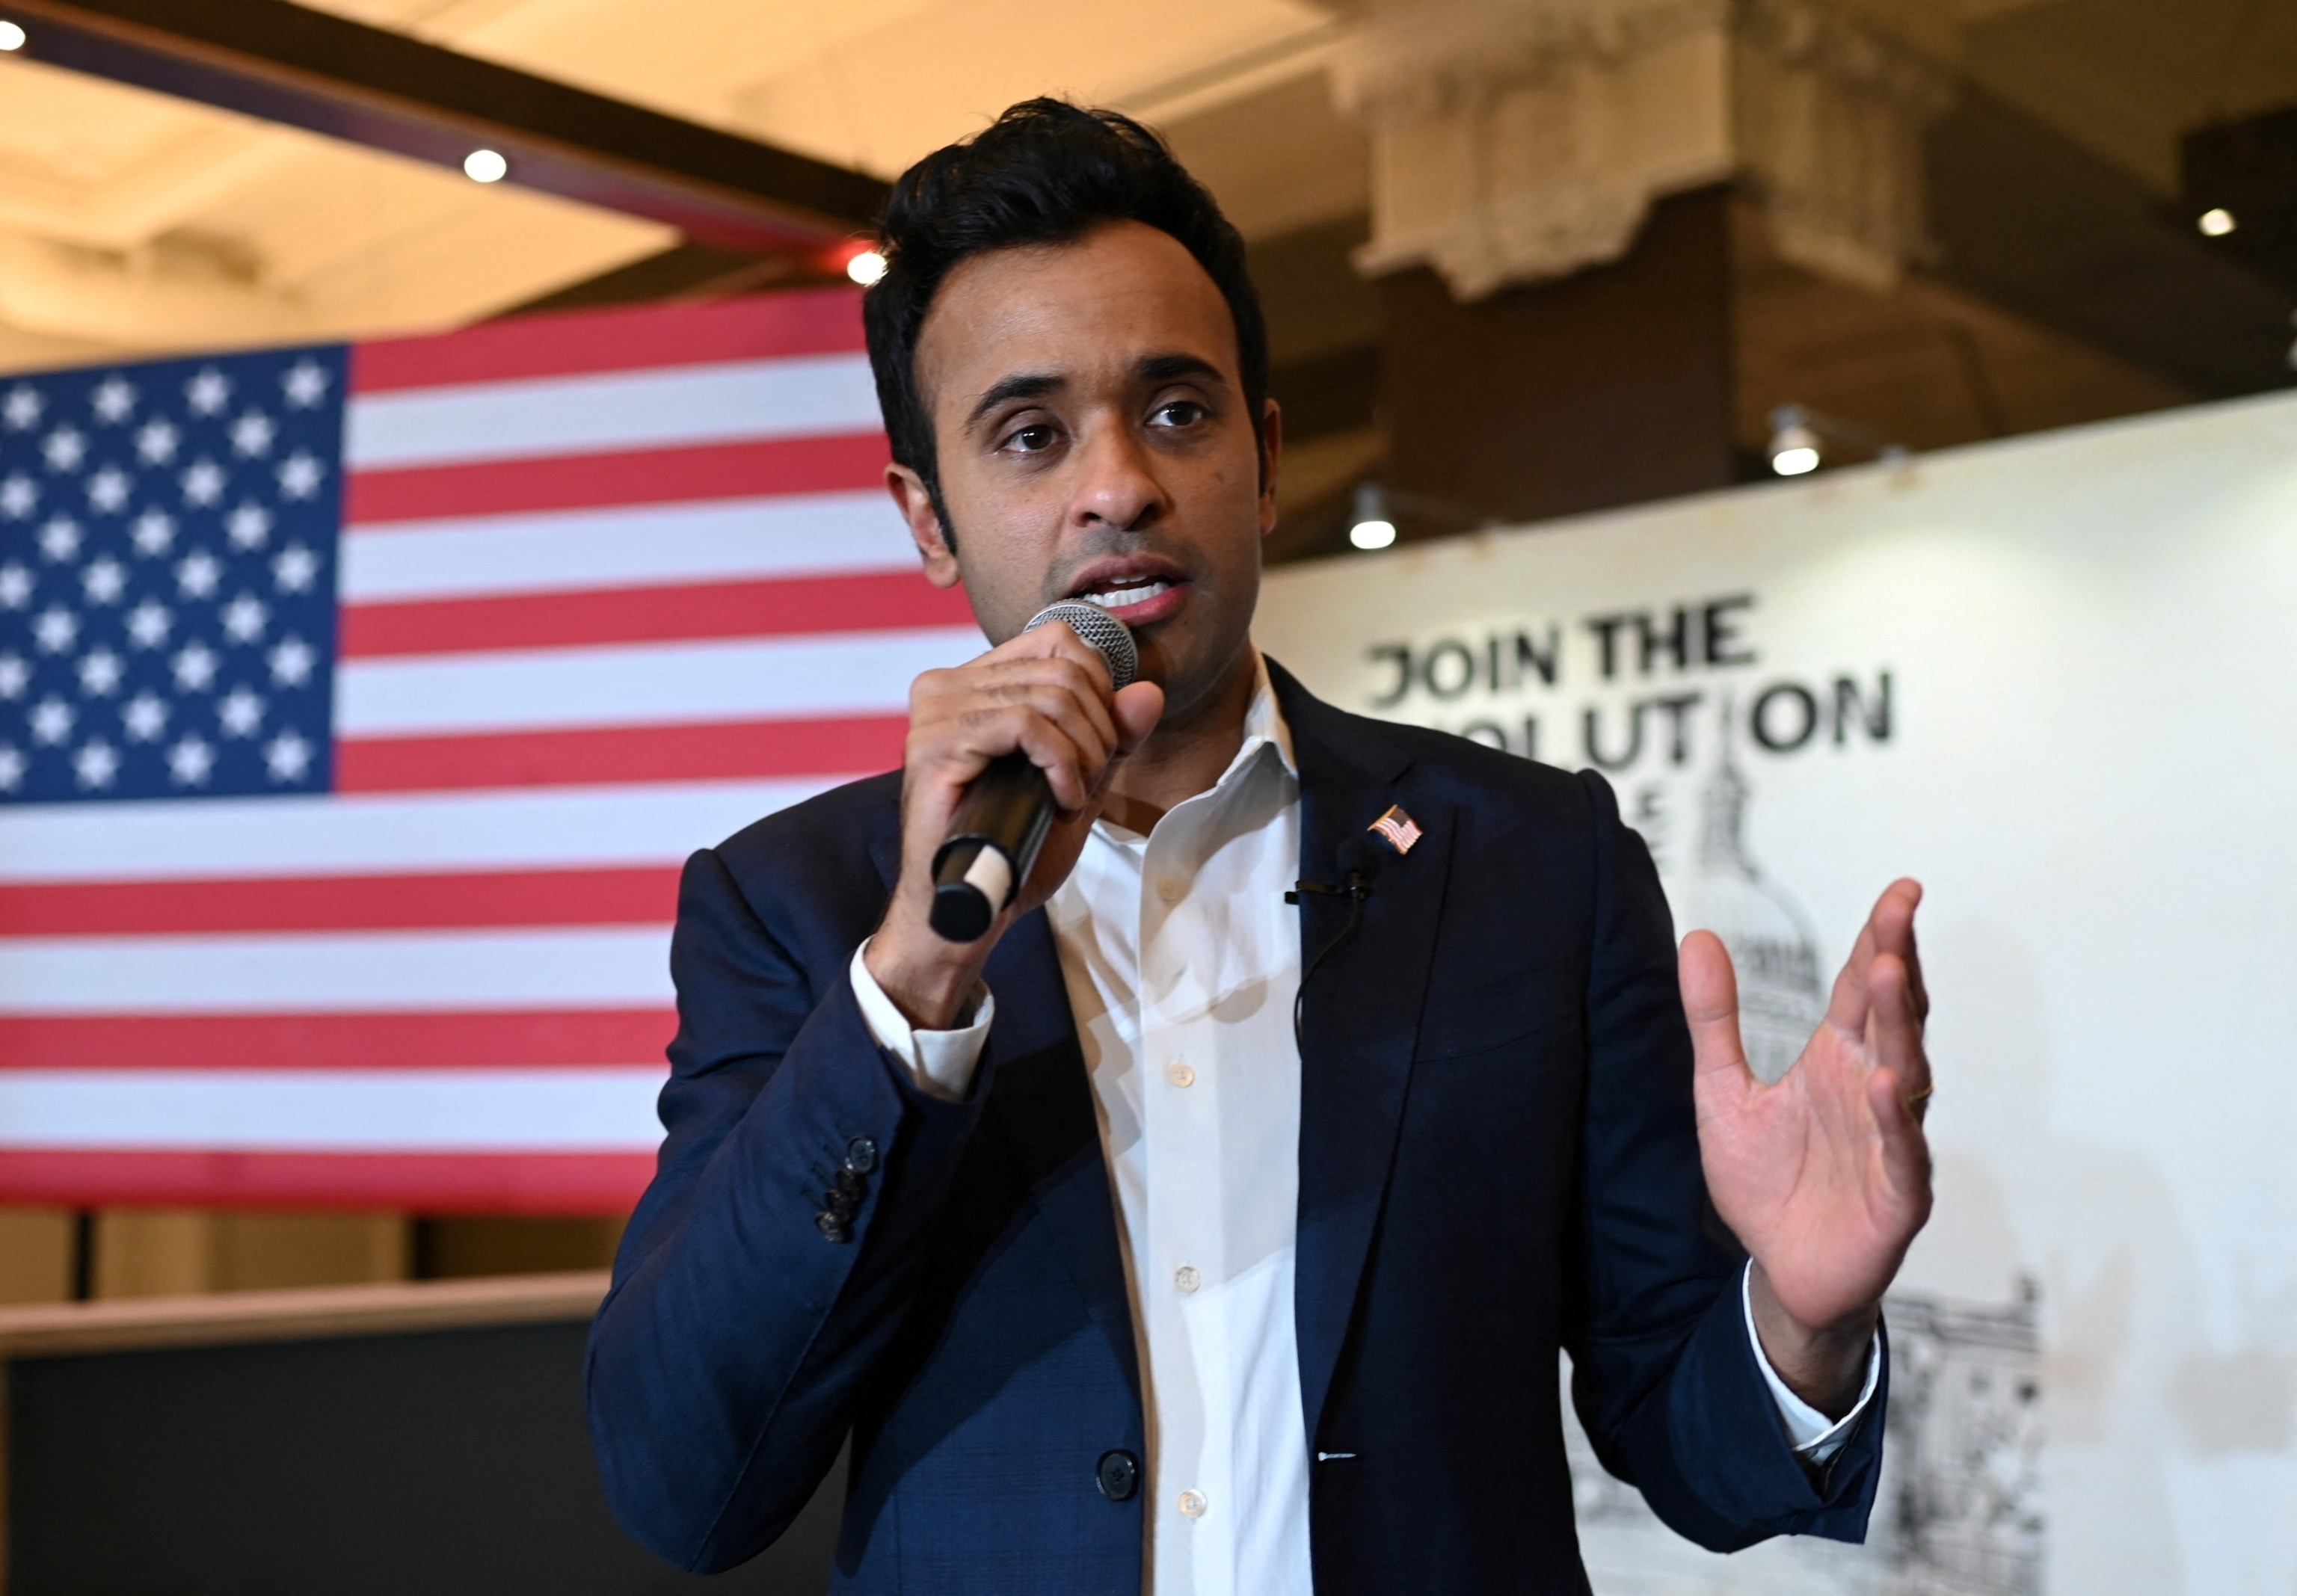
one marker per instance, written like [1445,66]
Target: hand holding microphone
[1007,758]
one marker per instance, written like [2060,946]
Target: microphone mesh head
[1102,632]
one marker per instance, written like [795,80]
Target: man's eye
[1179,413]
[1031,440]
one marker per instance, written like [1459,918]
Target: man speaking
[1212,1225]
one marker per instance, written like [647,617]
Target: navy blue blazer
[1497,1164]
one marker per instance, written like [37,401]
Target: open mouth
[1125,599]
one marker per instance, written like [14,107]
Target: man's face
[1093,442]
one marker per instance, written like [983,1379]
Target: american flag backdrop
[357,708]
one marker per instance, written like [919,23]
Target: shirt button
[1170,889]
[1192,1504]
[1187,1279]
[1181,1074]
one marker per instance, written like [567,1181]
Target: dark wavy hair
[1045,172]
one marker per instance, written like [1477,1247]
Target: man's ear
[1271,447]
[915,501]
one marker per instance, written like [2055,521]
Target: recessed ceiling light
[2216,223]
[485,166]
[865,267]
[12,37]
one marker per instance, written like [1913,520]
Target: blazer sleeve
[727,1363]
[1664,1375]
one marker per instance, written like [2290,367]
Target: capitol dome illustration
[1781,996]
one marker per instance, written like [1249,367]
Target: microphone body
[1001,824]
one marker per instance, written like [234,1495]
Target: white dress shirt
[1182,960]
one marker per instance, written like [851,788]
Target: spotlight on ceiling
[12,37]
[1795,448]
[1800,436]
[1373,527]
[2216,222]
[485,166]
[866,267]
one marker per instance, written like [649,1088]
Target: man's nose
[1116,488]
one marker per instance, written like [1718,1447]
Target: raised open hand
[1825,1176]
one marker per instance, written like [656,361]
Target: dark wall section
[1610,387]
[445,1464]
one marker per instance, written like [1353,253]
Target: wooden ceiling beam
[308,69]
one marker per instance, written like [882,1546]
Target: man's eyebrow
[1021,385]
[1165,368]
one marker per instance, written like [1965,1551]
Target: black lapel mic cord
[1359,859]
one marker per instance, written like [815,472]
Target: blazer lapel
[1041,1098]
[1041,1101]
[1360,1012]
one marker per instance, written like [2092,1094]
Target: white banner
[2055,679]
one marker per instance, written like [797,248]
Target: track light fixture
[1801,435]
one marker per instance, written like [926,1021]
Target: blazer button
[849,1183]
[861,1154]
[832,1228]
[1118,1474]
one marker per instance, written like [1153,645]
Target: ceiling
[132,223]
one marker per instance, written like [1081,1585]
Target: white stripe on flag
[567,827]
[855,673]
[809,534]
[318,972]
[430,1111]
[807,395]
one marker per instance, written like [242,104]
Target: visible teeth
[1125,597]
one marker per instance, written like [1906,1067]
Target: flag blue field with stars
[168,554]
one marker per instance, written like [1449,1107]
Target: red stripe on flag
[875,602]
[594,897]
[606,1184]
[581,342]
[507,1039]
[833,463]
[720,751]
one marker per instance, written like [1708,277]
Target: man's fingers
[1889,928]
[1138,709]
[1905,1151]
[1898,1033]
[1710,1002]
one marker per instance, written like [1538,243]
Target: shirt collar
[1265,734]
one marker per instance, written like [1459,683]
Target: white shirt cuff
[941,1062]
[1815,1436]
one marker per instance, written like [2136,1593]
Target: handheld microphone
[1002,821]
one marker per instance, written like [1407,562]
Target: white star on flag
[249,526]
[203,483]
[15,585]
[287,757]
[295,569]
[15,675]
[148,624]
[95,764]
[19,495]
[194,668]
[144,718]
[189,762]
[11,768]
[65,448]
[292,662]
[208,392]
[100,672]
[156,441]
[113,400]
[155,530]
[52,720]
[103,581]
[240,712]
[107,491]
[60,539]
[305,383]
[22,409]
[243,618]
[197,573]
[252,434]
[300,474]
[56,629]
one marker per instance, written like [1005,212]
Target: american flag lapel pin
[1398,829]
